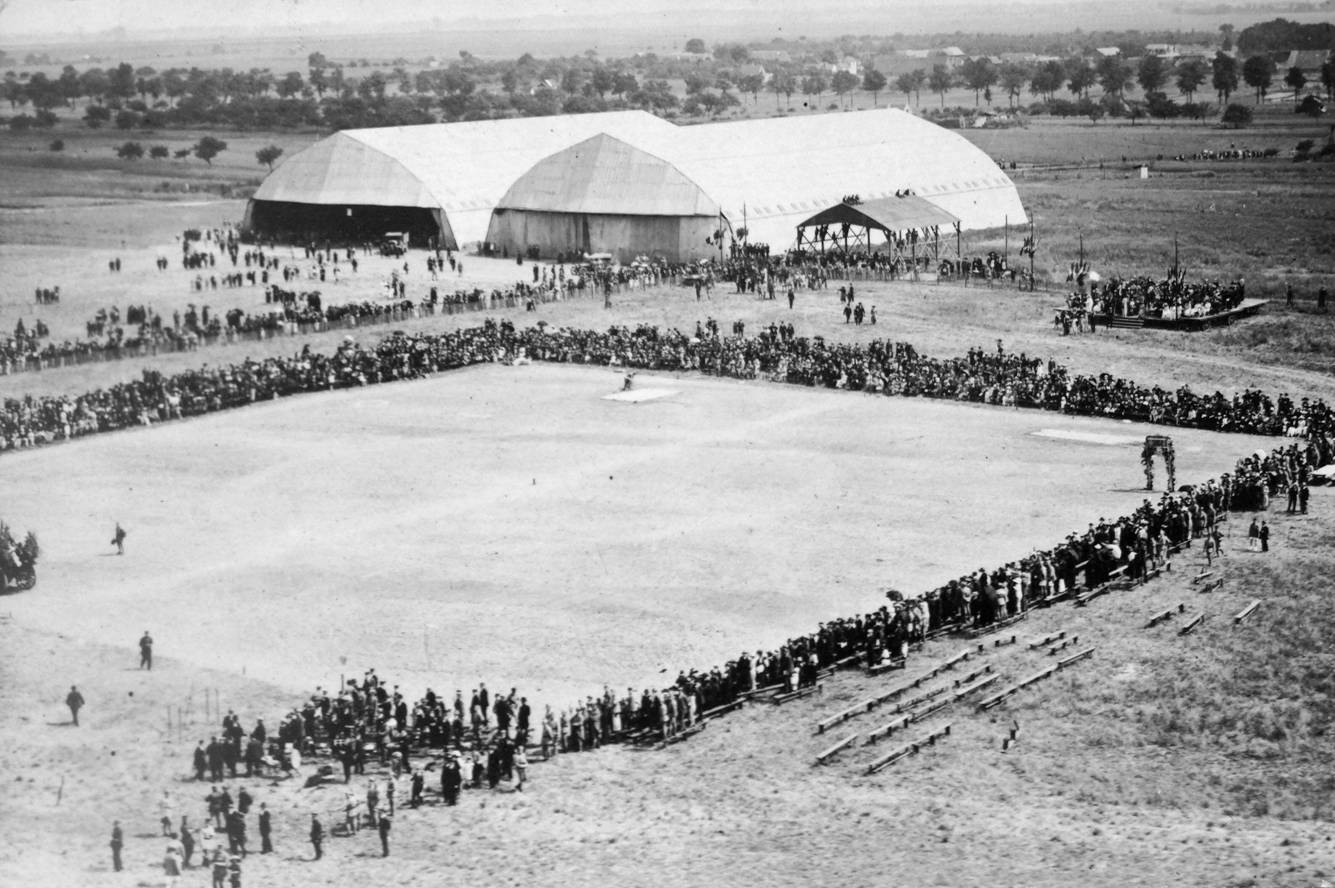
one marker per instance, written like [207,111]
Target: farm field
[509,524]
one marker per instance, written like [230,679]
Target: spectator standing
[117,842]
[74,700]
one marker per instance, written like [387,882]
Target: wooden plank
[851,712]
[976,686]
[972,676]
[908,749]
[1037,677]
[780,699]
[1212,586]
[919,700]
[762,691]
[826,753]
[1191,627]
[1202,576]
[885,730]
[887,665]
[1076,658]
[1002,642]
[1074,639]
[847,661]
[724,709]
[1047,639]
[1165,615]
[1246,611]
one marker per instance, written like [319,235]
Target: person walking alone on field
[74,700]
[266,830]
[117,842]
[1265,537]
[146,652]
[385,820]
[118,539]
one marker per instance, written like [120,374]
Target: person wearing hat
[74,700]
[117,842]
[266,830]
[451,780]
[317,835]
[385,820]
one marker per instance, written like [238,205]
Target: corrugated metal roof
[605,175]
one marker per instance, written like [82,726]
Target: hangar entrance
[360,223]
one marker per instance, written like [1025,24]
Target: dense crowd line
[479,740]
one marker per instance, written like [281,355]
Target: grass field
[449,530]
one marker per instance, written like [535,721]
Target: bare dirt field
[276,547]
[512,524]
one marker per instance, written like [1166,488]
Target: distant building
[751,69]
[1309,61]
[1162,50]
[1109,52]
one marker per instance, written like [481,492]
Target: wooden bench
[1202,576]
[997,699]
[1063,645]
[780,699]
[826,754]
[1213,585]
[1163,616]
[1047,639]
[762,691]
[1191,626]
[724,709]
[851,712]
[1246,611]
[885,730]
[887,665]
[908,749]
[1076,658]
[972,676]
[997,626]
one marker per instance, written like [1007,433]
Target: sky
[87,17]
[57,20]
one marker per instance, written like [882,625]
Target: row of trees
[1112,74]
[325,95]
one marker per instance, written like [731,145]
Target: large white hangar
[768,175]
[606,196]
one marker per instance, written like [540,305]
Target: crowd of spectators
[1171,298]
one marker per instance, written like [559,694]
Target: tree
[1115,75]
[940,81]
[602,81]
[753,84]
[1328,77]
[94,84]
[316,60]
[1224,75]
[814,84]
[873,81]
[120,81]
[268,154]
[69,84]
[1048,79]
[1190,75]
[290,85]
[843,83]
[624,83]
[1079,78]
[1013,77]
[783,83]
[906,83]
[208,148]
[57,145]
[696,45]
[1226,37]
[1258,72]
[919,76]
[1151,73]
[95,116]
[1237,116]
[159,152]
[1295,79]
[978,74]
[130,151]
[127,119]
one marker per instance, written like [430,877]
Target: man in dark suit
[117,842]
[266,830]
[317,835]
[74,700]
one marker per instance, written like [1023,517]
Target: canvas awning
[885,214]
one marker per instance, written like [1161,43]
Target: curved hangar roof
[606,176]
[773,173]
